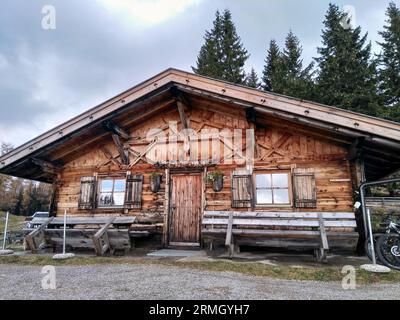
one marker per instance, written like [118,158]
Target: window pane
[263,181]
[106,199]
[119,198]
[106,185]
[281,196]
[280,180]
[119,185]
[264,196]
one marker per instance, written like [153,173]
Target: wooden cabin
[179,150]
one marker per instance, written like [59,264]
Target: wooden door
[185,209]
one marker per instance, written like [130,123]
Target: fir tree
[19,204]
[292,56]
[297,82]
[252,79]
[283,71]
[346,77]
[234,54]
[389,63]
[272,77]
[222,56]
[210,56]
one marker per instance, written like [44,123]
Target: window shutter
[242,191]
[87,195]
[133,194]
[305,194]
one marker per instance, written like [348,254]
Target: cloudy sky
[100,48]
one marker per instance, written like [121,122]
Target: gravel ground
[164,282]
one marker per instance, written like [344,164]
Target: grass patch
[325,273]
[14,222]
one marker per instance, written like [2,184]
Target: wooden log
[138,234]
[324,241]
[100,239]
[46,166]
[182,114]
[122,152]
[110,126]
[228,240]
[36,237]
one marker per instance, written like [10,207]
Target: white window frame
[99,192]
[272,188]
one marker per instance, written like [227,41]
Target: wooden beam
[110,158]
[181,103]
[110,126]
[321,255]
[122,152]
[280,215]
[251,115]
[229,236]
[141,155]
[36,237]
[101,242]
[379,168]
[182,114]
[46,166]
[129,121]
[371,149]
[377,159]
[355,148]
[298,128]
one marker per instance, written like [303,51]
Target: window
[111,192]
[272,188]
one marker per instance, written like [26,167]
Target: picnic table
[103,234]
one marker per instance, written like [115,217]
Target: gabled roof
[377,132]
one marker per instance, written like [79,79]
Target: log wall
[277,147]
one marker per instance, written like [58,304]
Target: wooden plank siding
[276,148]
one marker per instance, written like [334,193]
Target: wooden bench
[320,231]
[99,233]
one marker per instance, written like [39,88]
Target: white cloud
[147,13]
[3,61]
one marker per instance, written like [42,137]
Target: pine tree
[210,56]
[30,198]
[43,197]
[389,63]
[283,71]
[234,54]
[252,79]
[272,77]
[19,204]
[346,77]
[297,82]
[222,56]
[292,56]
[7,184]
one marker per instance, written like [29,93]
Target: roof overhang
[380,139]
